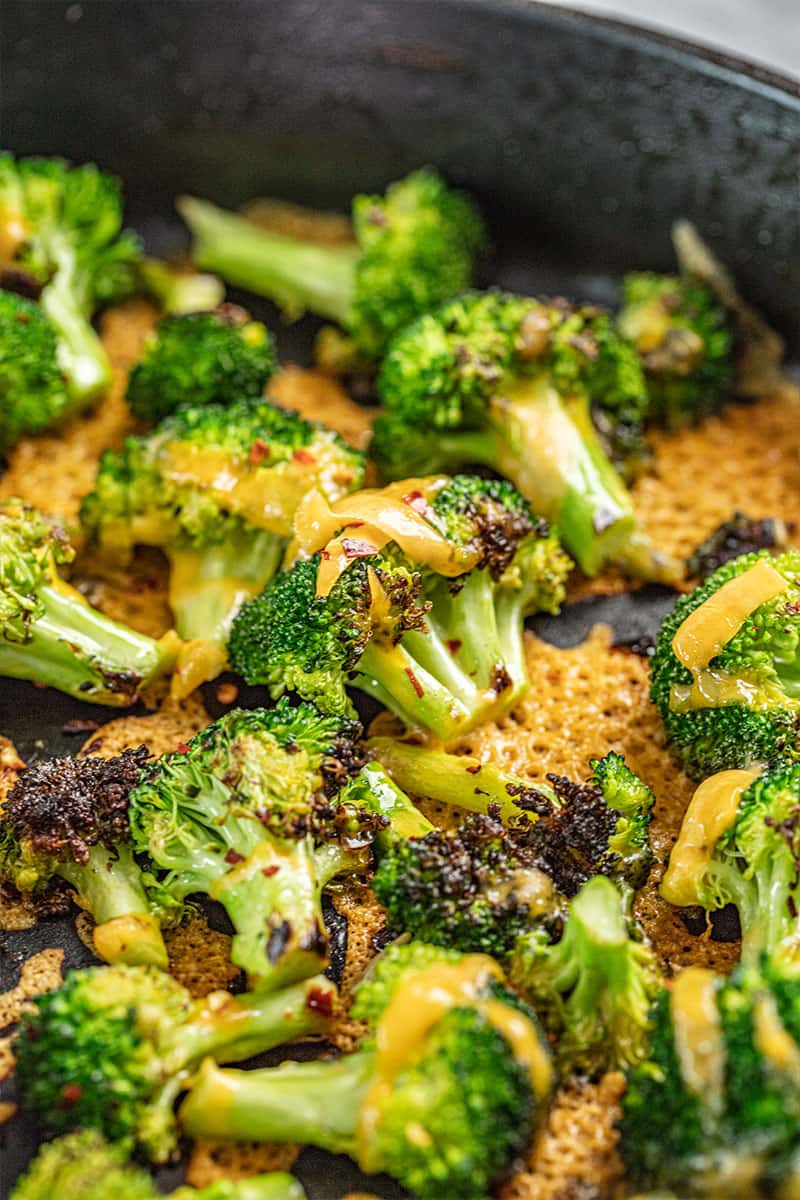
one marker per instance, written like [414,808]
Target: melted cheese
[265,497]
[710,627]
[197,662]
[716,688]
[366,521]
[711,811]
[113,939]
[772,1039]
[419,1003]
[698,1034]
[13,235]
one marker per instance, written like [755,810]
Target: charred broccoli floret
[753,862]
[67,819]
[414,247]
[49,634]
[201,358]
[684,339]
[569,830]
[509,382]
[179,289]
[714,1109]
[444,1111]
[83,1166]
[249,814]
[216,487]
[62,245]
[728,683]
[112,1047]
[419,600]
[594,987]
[737,536]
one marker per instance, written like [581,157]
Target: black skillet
[584,139]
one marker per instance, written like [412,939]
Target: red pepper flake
[305,457]
[453,645]
[415,683]
[320,1002]
[227,693]
[182,748]
[233,857]
[417,501]
[357,548]
[326,554]
[474,769]
[258,451]
[270,871]
[70,1094]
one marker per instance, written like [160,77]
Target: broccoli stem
[311,1102]
[274,902]
[207,587]
[275,1186]
[235,1028]
[81,354]
[770,924]
[73,647]
[384,797]
[452,778]
[395,677]
[180,291]
[109,885]
[296,275]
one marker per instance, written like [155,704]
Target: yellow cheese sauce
[710,627]
[698,1033]
[112,940]
[13,235]
[711,811]
[772,1040]
[242,489]
[363,523]
[419,1003]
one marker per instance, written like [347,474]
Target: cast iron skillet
[583,139]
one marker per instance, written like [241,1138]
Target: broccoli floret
[594,987]
[414,247]
[67,819]
[33,392]
[62,241]
[572,830]
[737,536]
[179,289]
[216,487]
[743,705]
[111,1048]
[201,358]
[83,1166]
[439,641]
[753,864]
[684,338]
[509,382]
[49,634]
[716,1105]
[249,814]
[445,1118]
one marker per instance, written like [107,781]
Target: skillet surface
[583,139]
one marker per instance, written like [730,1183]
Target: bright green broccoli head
[741,705]
[33,394]
[83,1166]
[90,1054]
[249,814]
[594,987]
[49,634]
[625,793]
[201,358]
[414,247]
[717,1102]
[685,341]
[63,232]
[511,383]
[442,1097]
[419,599]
